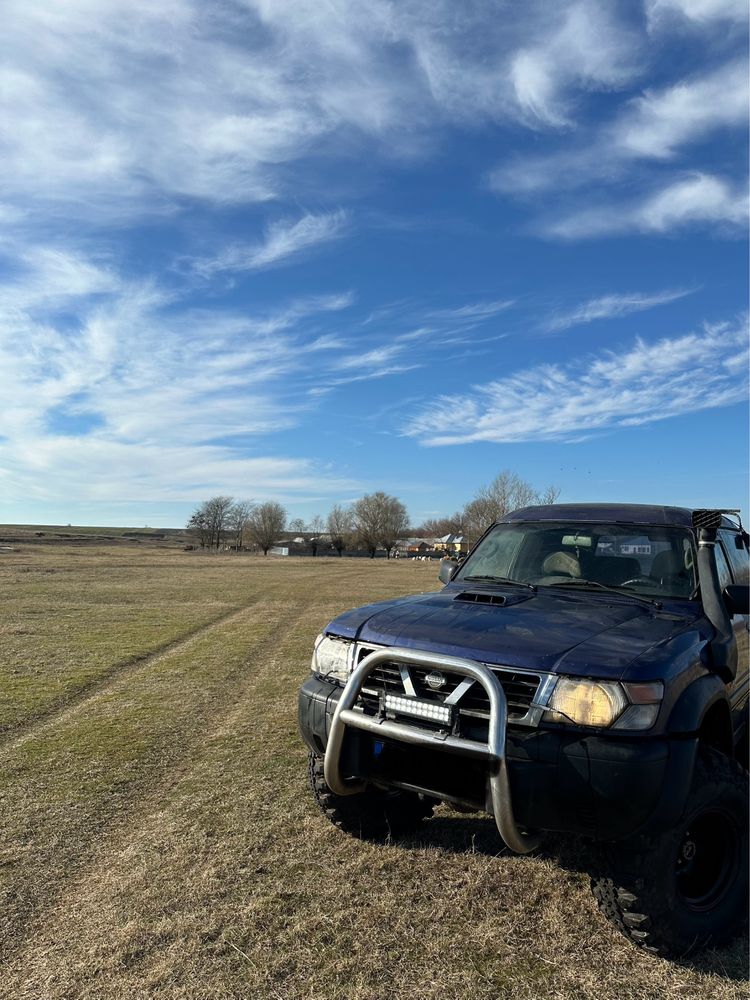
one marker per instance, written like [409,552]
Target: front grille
[519,693]
[519,687]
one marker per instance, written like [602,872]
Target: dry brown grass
[159,839]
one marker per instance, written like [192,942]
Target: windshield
[639,559]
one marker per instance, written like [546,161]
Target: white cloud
[377,357]
[654,126]
[699,11]
[658,123]
[640,385]
[474,311]
[45,276]
[96,470]
[358,375]
[130,108]
[283,241]
[698,199]
[611,307]
[587,47]
[113,389]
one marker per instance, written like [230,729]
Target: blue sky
[294,250]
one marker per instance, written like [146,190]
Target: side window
[725,577]
[738,558]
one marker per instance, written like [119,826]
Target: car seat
[669,569]
[561,564]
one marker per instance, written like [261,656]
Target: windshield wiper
[503,579]
[587,584]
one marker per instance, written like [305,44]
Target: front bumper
[558,779]
[491,754]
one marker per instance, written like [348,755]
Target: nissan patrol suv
[584,671]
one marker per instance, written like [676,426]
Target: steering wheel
[648,580]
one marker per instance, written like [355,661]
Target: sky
[302,250]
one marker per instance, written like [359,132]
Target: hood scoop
[482,597]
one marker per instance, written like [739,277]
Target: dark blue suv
[584,671]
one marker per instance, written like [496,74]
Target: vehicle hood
[566,632]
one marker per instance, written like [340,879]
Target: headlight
[605,703]
[331,658]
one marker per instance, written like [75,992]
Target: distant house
[304,544]
[415,546]
[453,544]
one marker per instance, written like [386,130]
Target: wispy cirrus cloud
[403,337]
[183,101]
[473,311]
[638,385]
[660,122]
[651,131]
[42,276]
[103,372]
[653,127]
[113,388]
[378,357]
[611,307]
[584,45]
[697,11]
[283,242]
[695,199]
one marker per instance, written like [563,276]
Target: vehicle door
[732,564]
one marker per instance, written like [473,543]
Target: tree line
[375,521]
[223,521]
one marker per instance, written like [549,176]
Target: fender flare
[695,702]
[683,727]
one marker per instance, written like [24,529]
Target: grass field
[158,838]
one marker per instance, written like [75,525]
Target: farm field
[158,838]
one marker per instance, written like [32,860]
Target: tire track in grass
[76,779]
[48,952]
[59,712]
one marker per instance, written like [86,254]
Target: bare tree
[218,509]
[316,526]
[340,527]
[239,515]
[380,520]
[395,524]
[198,525]
[437,527]
[548,495]
[266,523]
[505,493]
[211,520]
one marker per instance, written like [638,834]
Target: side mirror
[447,569]
[737,599]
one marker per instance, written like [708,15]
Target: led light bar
[431,710]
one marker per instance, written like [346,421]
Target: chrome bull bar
[493,752]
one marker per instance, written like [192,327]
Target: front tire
[373,814]
[687,888]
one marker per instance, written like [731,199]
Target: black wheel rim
[708,860]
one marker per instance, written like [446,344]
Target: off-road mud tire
[370,815]
[641,889]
